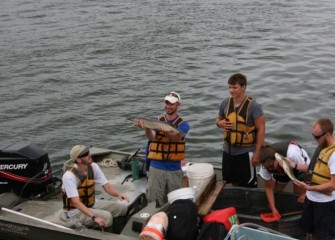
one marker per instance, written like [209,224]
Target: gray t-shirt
[255,111]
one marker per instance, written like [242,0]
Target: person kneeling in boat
[273,173]
[78,190]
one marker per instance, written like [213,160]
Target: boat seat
[207,198]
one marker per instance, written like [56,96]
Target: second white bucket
[199,175]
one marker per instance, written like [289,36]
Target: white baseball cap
[172,97]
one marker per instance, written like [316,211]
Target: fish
[286,166]
[147,123]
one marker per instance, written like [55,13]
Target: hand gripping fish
[286,166]
[147,123]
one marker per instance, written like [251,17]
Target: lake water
[72,71]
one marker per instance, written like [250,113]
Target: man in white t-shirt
[273,173]
[318,216]
[80,208]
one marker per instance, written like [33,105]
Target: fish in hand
[147,123]
[286,166]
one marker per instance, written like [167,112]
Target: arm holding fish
[324,187]
[150,133]
[298,158]
[300,167]
[172,135]
[295,165]
[183,129]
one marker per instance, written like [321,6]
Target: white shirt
[295,153]
[71,182]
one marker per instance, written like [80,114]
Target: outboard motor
[25,170]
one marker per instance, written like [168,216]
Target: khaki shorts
[104,209]
[161,182]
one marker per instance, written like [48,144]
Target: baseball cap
[172,97]
[78,151]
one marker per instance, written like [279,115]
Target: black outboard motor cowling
[24,169]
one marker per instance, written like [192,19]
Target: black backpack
[212,231]
[183,220]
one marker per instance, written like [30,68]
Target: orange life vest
[241,134]
[162,148]
[86,190]
[321,172]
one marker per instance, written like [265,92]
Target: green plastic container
[135,169]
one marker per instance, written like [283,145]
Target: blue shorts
[319,219]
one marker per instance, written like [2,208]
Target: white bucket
[199,175]
[181,193]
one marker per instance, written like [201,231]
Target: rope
[108,162]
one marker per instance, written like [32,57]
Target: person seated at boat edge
[243,122]
[80,207]
[166,151]
[273,174]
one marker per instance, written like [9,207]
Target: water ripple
[73,71]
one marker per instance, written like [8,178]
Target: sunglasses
[173,94]
[317,137]
[84,153]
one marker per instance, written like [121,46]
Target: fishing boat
[30,199]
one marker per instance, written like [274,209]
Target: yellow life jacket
[162,148]
[321,172]
[86,190]
[241,134]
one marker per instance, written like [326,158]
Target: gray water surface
[72,71]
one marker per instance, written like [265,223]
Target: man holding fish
[166,149]
[319,208]
[277,170]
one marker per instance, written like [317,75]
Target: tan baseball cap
[78,151]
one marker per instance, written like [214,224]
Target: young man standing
[243,123]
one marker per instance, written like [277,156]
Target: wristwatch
[94,217]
